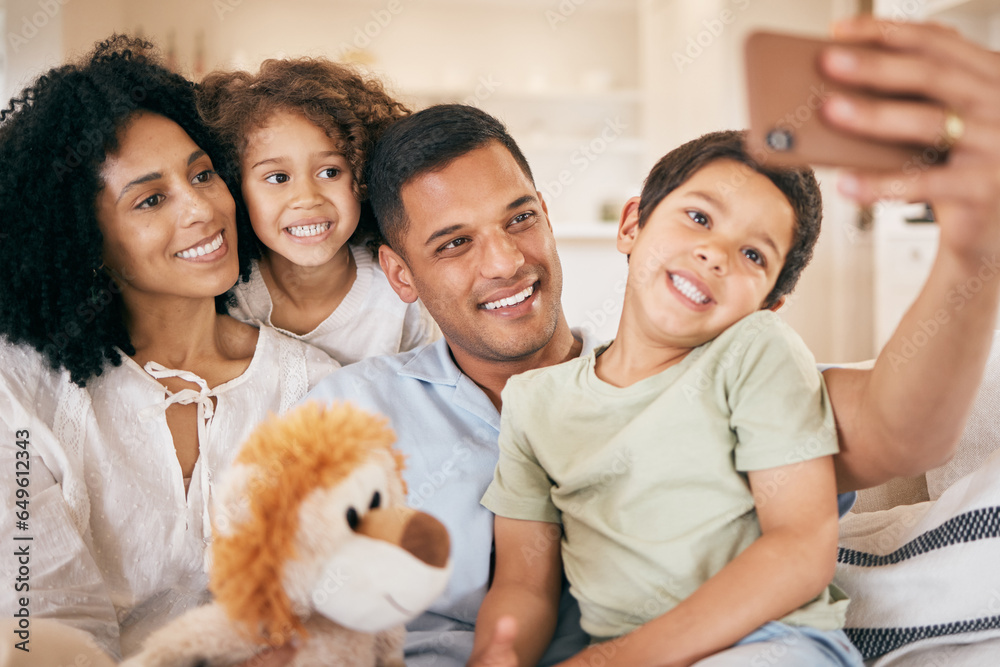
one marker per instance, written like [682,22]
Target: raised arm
[518,615]
[906,415]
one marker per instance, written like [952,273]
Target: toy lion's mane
[309,448]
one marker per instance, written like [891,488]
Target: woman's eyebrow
[152,176]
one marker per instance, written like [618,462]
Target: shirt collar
[433,363]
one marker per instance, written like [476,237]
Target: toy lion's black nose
[426,538]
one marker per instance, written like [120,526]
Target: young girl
[300,131]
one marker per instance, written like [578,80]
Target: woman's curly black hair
[54,138]
[352,108]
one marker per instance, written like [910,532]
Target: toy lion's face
[312,518]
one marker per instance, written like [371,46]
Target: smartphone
[785,89]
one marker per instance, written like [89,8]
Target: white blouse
[115,546]
[371,320]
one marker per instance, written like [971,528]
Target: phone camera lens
[779,140]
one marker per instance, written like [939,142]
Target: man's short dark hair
[797,184]
[427,141]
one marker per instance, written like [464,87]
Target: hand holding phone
[785,90]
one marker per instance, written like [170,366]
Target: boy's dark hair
[798,185]
[352,109]
[54,138]
[427,141]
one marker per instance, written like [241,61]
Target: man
[468,234]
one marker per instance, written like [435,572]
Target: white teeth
[211,246]
[511,300]
[308,230]
[687,288]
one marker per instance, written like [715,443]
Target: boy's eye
[330,172]
[754,256]
[150,201]
[698,217]
[276,178]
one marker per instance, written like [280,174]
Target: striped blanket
[924,579]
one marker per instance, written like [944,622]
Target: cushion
[926,574]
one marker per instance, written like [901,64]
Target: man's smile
[509,301]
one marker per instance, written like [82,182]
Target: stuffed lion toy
[313,545]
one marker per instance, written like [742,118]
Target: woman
[124,387]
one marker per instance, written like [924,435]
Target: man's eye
[150,201]
[524,217]
[330,172]
[277,178]
[454,243]
[754,256]
[698,217]
[205,176]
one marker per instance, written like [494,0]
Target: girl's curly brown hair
[54,137]
[353,110]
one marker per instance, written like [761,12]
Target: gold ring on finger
[954,128]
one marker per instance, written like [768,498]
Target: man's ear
[398,273]
[778,304]
[628,226]
[545,208]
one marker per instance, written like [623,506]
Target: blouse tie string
[206,410]
[201,396]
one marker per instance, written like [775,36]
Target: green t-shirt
[648,480]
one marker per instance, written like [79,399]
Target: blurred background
[595,91]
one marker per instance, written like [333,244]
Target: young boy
[689,461]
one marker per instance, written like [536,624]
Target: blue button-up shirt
[448,429]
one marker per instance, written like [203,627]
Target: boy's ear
[398,273]
[628,226]
[778,304]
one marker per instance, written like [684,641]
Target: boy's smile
[707,256]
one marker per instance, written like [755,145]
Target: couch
[920,557]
